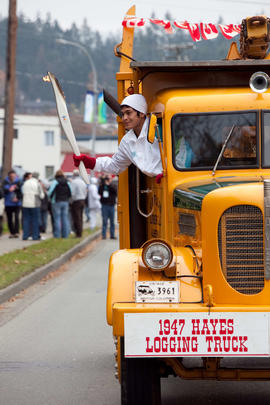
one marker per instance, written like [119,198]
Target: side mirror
[152,128]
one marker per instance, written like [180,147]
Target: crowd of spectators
[28,202]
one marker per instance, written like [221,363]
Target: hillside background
[38,52]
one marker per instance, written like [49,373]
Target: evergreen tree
[38,52]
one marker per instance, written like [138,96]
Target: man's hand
[89,162]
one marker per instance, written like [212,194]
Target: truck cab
[191,277]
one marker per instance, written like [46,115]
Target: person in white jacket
[32,195]
[78,194]
[93,202]
[134,146]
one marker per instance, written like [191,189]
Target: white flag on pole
[89,107]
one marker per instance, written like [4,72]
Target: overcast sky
[107,15]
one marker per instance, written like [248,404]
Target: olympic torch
[65,120]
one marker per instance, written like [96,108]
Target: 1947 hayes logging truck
[192,276]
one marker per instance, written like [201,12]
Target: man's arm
[52,187]
[113,189]
[100,190]
[41,193]
[114,165]
[6,187]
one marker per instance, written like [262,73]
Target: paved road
[55,347]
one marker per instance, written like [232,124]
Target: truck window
[266,139]
[198,139]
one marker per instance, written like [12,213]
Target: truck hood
[190,195]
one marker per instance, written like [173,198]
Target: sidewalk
[37,274]
[8,245]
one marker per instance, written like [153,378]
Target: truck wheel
[140,381]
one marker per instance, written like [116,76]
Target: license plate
[157,291]
[217,334]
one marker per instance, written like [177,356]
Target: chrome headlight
[157,255]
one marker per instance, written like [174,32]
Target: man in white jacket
[93,202]
[134,146]
[32,195]
[78,194]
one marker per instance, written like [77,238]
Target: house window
[49,138]
[49,171]
[15,133]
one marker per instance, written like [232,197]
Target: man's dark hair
[138,112]
[26,175]
[11,171]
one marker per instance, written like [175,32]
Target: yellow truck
[190,281]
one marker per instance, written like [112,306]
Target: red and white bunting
[197,31]
[208,31]
[133,22]
[229,31]
[163,23]
[194,32]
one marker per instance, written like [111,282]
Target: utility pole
[9,89]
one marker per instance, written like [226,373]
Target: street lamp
[93,69]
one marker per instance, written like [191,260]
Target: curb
[39,273]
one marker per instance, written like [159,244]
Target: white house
[36,144]
[105,145]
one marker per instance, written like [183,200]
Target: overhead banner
[196,31]
[89,107]
[102,109]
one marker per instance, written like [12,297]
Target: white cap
[136,101]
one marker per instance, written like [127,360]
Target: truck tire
[140,380]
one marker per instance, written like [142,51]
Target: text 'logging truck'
[191,279]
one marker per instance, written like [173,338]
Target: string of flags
[197,31]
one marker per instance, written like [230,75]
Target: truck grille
[240,241]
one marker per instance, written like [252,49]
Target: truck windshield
[266,139]
[198,139]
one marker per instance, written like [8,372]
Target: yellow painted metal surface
[126,46]
[123,81]
[213,371]
[126,267]
[164,95]
[214,204]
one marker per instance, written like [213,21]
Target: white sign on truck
[217,334]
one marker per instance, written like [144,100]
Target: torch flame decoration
[46,78]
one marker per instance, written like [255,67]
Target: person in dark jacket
[2,209]
[44,209]
[60,193]
[108,193]
[13,202]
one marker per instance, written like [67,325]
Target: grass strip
[18,263]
